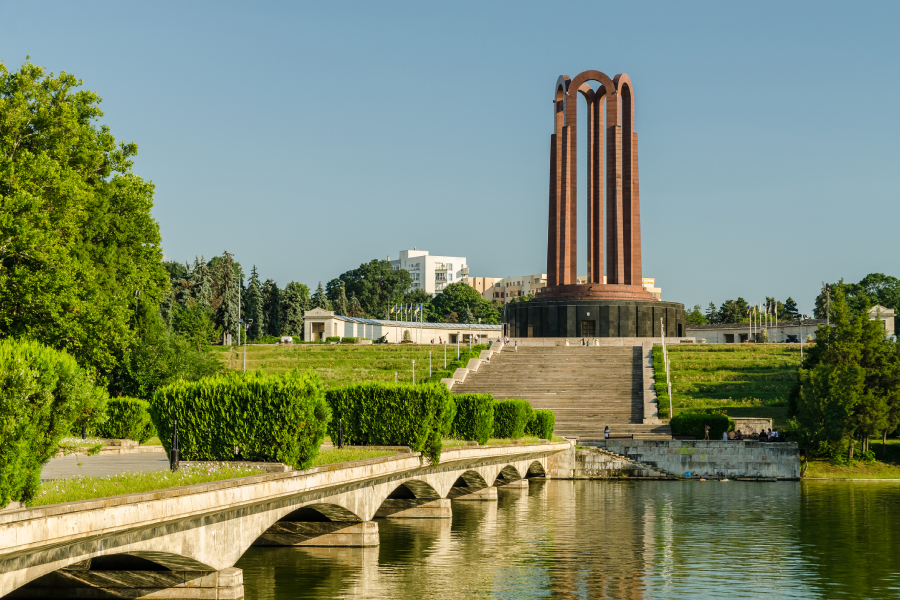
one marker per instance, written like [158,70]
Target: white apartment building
[508,288]
[431,273]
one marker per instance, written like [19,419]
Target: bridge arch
[507,474]
[535,469]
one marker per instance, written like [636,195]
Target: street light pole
[246,327]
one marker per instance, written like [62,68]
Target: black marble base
[594,318]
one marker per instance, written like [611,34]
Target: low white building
[784,331]
[431,273]
[319,324]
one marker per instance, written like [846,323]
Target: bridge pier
[461,493]
[320,533]
[415,508]
[227,584]
[519,484]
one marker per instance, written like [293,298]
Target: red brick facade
[618,186]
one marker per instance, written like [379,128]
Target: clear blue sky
[307,138]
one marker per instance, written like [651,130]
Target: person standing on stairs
[516,346]
[706,432]
[606,433]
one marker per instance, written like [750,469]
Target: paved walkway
[102,465]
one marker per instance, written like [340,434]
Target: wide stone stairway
[587,387]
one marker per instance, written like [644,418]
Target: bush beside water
[511,417]
[474,417]
[541,424]
[43,394]
[418,416]
[270,418]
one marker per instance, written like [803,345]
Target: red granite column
[636,267]
[553,220]
[627,116]
[595,195]
[614,261]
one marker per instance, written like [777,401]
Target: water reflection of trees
[849,533]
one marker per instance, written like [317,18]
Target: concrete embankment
[678,457]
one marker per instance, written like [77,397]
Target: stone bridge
[183,542]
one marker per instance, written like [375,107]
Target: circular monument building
[613,303]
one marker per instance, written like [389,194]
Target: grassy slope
[745,380]
[343,363]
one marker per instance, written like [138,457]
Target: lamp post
[246,328]
[414,372]
[174,449]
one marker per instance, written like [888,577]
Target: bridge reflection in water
[565,539]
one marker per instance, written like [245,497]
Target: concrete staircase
[599,463]
[587,387]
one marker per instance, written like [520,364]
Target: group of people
[506,342]
[763,436]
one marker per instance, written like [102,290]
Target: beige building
[481,284]
[507,288]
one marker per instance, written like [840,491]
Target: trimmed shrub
[348,340]
[394,414]
[541,424]
[662,392]
[332,339]
[270,418]
[43,393]
[474,417]
[695,423]
[128,419]
[510,418]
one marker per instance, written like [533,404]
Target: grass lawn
[341,364]
[86,488]
[339,455]
[887,465]
[744,380]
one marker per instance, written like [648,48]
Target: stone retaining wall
[705,459]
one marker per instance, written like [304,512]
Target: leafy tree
[525,298]
[875,288]
[696,316]
[201,282]
[734,311]
[255,309]
[790,309]
[294,302]
[195,324]
[227,296]
[161,356]
[460,297]
[355,309]
[341,304]
[821,303]
[376,285]
[712,315]
[451,318]
[271,297]
[849,386]
[78,236]
[320,300]
[418,297]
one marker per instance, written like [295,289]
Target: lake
[616,539]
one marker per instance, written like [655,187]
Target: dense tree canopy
[849,386]
[77,240]
[375,284]
[463,300]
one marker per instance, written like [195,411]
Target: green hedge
[541,424]
[43,393]
[401,414]
[474,417]
[127,419]
[332,339]
[270,418]
[695,423]
[510,418]
[348,340]
[662,391]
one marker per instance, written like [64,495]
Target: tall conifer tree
[272,307]
[255,306]
[294,302]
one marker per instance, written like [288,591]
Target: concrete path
[102,465]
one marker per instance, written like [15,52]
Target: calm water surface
[564,539]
